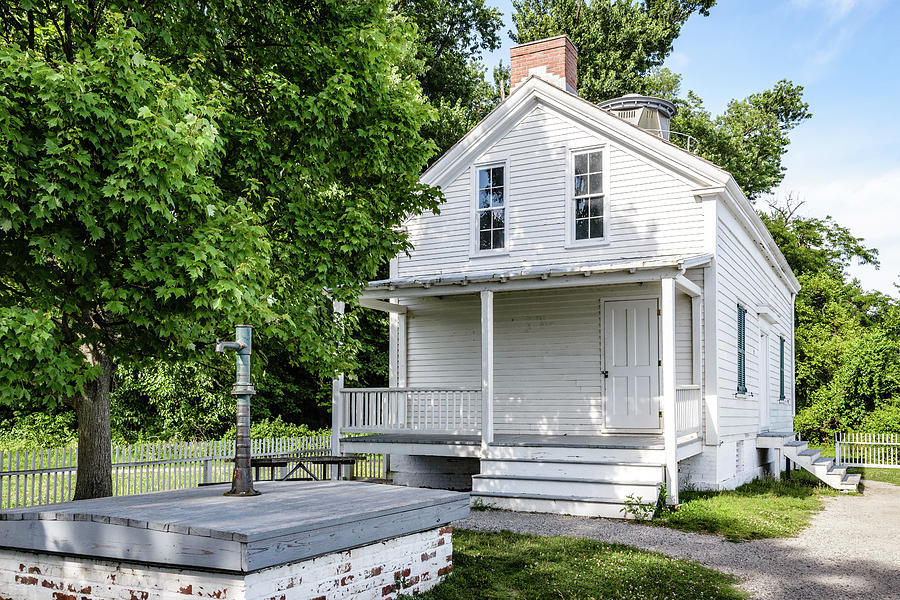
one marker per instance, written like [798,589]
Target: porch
[603,358]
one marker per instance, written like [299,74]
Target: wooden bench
[282,460]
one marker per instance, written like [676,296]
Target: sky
[845,161]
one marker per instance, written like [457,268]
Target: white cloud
[834,25]
[869,205]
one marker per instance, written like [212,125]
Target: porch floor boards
[652,442]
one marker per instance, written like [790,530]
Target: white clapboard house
[595,311]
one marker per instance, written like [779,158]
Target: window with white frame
[491,208]
[588,196]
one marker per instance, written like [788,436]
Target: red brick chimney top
[554,59]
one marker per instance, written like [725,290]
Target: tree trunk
[94,475]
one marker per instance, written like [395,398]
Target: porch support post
[402,352]
[337,406]
[668,387]
[487,369]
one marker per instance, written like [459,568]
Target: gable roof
[708,178]
[538,92]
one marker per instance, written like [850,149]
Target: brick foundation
[405,565]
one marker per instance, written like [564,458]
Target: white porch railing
[419,410]
[867,449]
[687,410]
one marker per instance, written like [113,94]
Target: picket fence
[880,450]
[47,476]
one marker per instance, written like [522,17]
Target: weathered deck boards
[201,528]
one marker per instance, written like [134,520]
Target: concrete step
[851,480]
[810,459]
[609,508]
[560,469]
[810,454]
[575,488]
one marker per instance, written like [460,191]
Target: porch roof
[546,276]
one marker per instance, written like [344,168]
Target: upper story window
[491,208]
[588,195]
[587,212]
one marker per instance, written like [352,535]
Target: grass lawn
[886,475]
[509,566]
[764,508]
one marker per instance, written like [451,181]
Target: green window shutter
[781,370]
[742,350]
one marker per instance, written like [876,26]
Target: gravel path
[851,550]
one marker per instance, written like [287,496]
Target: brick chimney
[553,59]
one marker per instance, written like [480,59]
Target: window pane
[498,238]
[581,229]
[497,197]
[597,228]
[596,162]
[484,178]
[484,198]
[581,208]
[498,219]
[497,176]
[581,164]
[580,185]
[484,220]
[597,206]
[596,186]
[485,242]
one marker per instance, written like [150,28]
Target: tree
[750,139]
[451,37]
[847,353]
[618,41]
[172,168]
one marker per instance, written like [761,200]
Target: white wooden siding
[547,354]
[744,277]
[653,213]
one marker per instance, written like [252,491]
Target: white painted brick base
[409,564]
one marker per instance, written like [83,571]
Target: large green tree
[847,340]
[451,37]
[750,138]
[618,41]
[171,168]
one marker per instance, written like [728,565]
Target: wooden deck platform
[202,529]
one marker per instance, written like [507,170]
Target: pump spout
[223,346]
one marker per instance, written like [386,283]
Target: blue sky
[845,161]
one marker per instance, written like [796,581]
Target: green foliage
[51,428]
[163,401]
[451,37]
[813,245]
[504,565]
[621,49]
[847,345]
[619,42]
[171,169]
[750,139]
[763,508]
[267,428]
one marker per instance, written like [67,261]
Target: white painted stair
[810,459]
[585,480]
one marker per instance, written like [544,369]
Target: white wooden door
[764,382]
[631,353]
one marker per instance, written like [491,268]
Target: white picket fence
[880,450]
[47,476]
